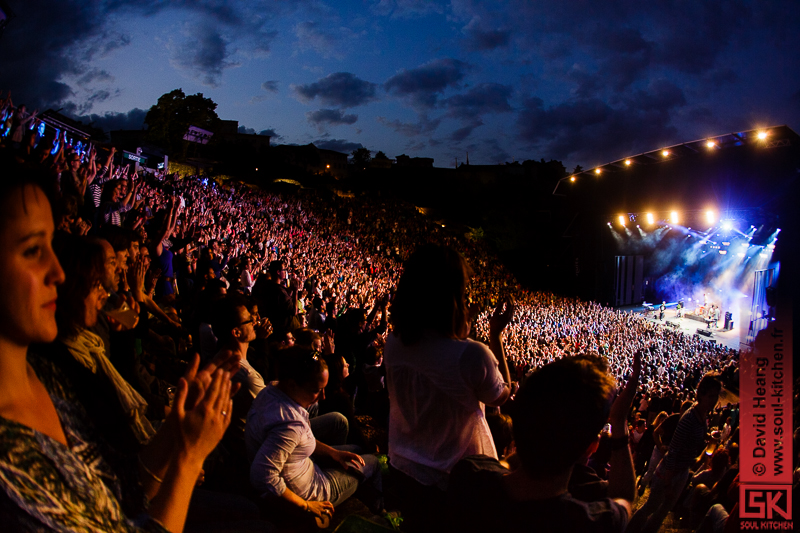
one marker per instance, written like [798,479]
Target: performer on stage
[679,309]
[661,310]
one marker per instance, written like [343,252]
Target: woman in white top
[439,381]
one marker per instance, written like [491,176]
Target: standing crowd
[165,334]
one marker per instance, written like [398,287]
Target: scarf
[88,349]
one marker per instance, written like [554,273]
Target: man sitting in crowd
[557,418]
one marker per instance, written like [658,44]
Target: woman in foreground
[55,475]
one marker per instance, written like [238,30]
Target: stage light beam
[673,217]
[727,225]
[622,220]
[650,218]
[711,216]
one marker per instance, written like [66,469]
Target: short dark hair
[300,364]
[559,412]
[226,317]
[709,382]
[431,294]
[275,266]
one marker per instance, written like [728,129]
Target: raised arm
[497,325]
[622,477]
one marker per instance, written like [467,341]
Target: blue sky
[585,82]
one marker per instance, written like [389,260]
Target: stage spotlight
[727,225]
[597,171]
[572,178]
[628,162]
[665,153]
[650,218]
[711,144]
[723,252]
[673,217]
[762,135]
[622,220]
[710,216]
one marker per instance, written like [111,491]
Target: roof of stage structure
[739,170]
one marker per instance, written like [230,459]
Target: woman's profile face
[29,269]
[93,303]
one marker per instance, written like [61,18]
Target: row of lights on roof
[711,217]
[665,153]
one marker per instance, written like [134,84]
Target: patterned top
[45,486]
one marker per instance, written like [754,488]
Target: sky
[584,82]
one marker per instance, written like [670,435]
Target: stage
[689,326]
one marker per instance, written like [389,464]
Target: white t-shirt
[438,388]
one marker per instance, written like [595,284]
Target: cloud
[51,43]
[341,89]
[490,150]
[462,133]
[338,145]
[424,84]
[489,40]
[326,40]
[406,9]
[593,130]
[270,86]
[480,39]
[333,117]
[272,133]
[251,131]
[479,100]
[204,56]
[410,129]
[132,120]
[95,76]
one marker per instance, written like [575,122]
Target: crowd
[305,310]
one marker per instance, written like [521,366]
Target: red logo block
[767,502]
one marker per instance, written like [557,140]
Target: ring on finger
[224,413]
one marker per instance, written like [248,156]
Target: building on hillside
[332,162]
[404,161]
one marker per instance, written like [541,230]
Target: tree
[380,155]
[170,118]
[361,158]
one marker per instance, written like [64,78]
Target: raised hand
[202,424]
[622,405]
[328,346]
[501,317]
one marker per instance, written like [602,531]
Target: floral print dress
[46,486]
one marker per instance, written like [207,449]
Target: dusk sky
[585,82]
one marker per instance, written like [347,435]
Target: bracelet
[307,509]
[149,472]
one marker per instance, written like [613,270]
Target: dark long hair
[431,294]
[83,261]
